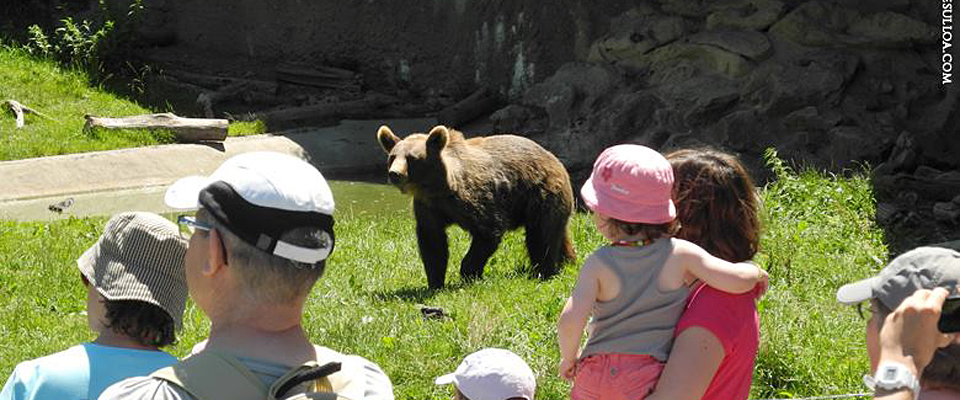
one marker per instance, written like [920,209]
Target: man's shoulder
[363,378]
[144,387]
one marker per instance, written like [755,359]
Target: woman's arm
[574,316]
[720,274]
[693,361]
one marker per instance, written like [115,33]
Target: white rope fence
[836,396]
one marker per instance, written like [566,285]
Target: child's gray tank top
[642,318]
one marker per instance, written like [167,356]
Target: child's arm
[574,316]
[720,274]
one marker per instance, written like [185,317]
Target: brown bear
[487,186]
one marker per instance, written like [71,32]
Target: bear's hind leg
[482,246]
[548,245]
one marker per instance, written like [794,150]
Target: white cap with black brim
[259,196]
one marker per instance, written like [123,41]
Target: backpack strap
[210,375]
[331,377]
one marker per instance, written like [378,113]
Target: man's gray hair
[268,278]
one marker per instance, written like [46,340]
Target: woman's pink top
[733,319]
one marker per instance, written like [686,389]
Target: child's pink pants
[616,377]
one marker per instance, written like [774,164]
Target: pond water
[368,199]
[354,198]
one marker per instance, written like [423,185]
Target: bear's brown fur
[487,186]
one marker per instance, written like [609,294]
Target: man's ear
[437,139]
[386,138]
[216,259]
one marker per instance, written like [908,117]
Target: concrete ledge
[107,182]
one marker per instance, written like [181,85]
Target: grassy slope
[819,235]
[66,97]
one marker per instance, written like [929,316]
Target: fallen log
[481,102]
[243,90]
[185,129]
[322,77]
[322,114]
[215,81]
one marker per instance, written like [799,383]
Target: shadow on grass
[415,294]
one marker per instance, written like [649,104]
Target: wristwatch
[891,377]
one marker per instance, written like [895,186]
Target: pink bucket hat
[631,183]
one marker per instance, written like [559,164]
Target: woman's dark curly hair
[148,324]
[717,203]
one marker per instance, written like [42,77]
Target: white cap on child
[492,374]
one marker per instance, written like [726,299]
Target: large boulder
[634,34]
[754,15]
[815,24]
[848,147]
[815,78]
[696,99]
[752,45]
[822,24]
[890,29]
[573,88]
[706,57]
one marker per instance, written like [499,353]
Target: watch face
[889,374]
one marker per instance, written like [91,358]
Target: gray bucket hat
[920,268]
[139,257]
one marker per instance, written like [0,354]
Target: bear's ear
[386,138]
[437,139]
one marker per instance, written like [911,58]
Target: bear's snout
[395,177]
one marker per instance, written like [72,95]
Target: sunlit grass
[819,235]
[66,96]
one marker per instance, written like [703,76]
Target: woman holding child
[716,341]
[637,287]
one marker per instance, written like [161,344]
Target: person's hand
[763,283]
[909,334]
[568,369]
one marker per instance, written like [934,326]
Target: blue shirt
[81,372]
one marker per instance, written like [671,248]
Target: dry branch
[186,129]
[19,110]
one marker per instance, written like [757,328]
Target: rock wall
[424,47]
[832,83]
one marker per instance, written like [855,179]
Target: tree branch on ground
[19,110]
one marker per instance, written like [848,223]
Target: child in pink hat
[636,287]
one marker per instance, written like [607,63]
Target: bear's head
[416,164]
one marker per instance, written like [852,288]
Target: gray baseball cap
[920,268]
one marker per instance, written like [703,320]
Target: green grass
[819,235]
[66,96]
